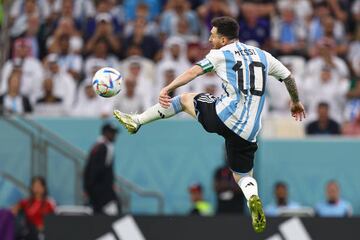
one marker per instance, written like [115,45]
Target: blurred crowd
[57,45]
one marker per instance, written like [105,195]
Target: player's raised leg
[249,187]
[132,122]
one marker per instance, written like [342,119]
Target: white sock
[157,111]
[249,186]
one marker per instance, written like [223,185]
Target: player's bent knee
[187,102]
[187,99]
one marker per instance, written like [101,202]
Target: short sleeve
[276,68]
[210,62]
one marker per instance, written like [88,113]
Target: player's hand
[297,111]
[164,98]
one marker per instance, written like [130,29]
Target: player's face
[216,40]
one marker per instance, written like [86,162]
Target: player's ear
[223,40]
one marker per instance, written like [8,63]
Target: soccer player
[236,115]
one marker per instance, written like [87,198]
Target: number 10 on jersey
[257,78]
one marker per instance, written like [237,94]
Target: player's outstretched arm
[179,81]
[297,109]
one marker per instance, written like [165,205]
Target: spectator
[326,87]
[316,28]
[339,9]
[265,8]
[129,99]
[118,14]
[104,29]
[35,208]
[229,196]
[302,8]
[142,15]
[175,53]
[200,206]
[66,26]
[183,27]
[49,104]
[177,10]
[215,8]
[167,73]
[195,52]
[75,8]
[23,8]
[99,174]
[333,206]
[282,202]
[253,27]
[144,84]
[89,104]
[149,44]
[288,33]
[131,5]
[13,101]
[134,54]
[100,53]
[104,14]
[63,83]
[328,33]
[69,62]
[65,9]
[31,68]
[324,125]
[29,30]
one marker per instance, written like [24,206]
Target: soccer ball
[107,82]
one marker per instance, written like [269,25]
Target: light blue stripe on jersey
[262,100]
[231,76]
[247,104]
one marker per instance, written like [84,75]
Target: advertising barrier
[198,228]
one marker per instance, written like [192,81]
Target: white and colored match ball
[107,82]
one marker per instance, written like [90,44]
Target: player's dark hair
[226,26]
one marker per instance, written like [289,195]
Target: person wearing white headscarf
[175,54]
[89,104]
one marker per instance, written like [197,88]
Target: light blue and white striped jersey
[243,70]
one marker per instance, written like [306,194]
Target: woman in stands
[35,208]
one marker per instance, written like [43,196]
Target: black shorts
[240,152]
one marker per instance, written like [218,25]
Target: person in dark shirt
[99,176]
[228,194]
[48,96]
[324,125]
[254,27]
